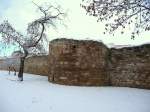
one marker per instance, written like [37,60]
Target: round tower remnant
[78,62]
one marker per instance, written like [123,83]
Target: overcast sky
[79,25]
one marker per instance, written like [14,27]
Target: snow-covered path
[36,94]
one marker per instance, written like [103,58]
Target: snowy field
[36,94]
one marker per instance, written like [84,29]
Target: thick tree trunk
[21,69]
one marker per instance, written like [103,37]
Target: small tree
[122,13]
[35,38]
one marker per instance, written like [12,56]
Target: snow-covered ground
[36,94]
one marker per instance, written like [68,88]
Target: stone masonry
[74,62]
[34,65]
[91,63]
[130,67]
[37,65]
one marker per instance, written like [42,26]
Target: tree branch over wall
[122,12]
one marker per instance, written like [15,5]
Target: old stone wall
[130,67]
[33,65]
[90,63]
[37,65]
[74,62]
[5,63]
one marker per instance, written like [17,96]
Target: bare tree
[35,38]
[122,13]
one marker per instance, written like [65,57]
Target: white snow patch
[36,94]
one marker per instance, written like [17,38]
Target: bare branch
[122,12]
[35,31]
[9,34]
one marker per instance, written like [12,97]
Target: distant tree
[35,38]
[121,12]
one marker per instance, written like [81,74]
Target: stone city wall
[34,65]
[130,67]
[91,63]
[74,62]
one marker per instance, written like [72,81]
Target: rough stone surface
[74,62]
[5,63]
[91,63]
[37,65]
[33,65]
[130,67]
